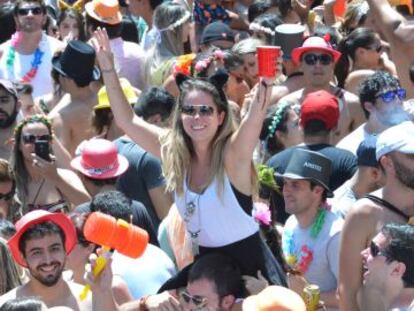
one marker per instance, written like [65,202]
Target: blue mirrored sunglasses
[389,96]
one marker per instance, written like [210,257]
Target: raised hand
[100,41]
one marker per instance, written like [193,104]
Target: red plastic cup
[267,60]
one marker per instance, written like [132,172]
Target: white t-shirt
[343,199]
[324,268]
[351,141]
[42,82]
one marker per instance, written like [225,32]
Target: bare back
[72,122]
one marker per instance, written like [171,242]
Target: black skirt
[251,254]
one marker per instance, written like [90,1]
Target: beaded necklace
[37,58]
[301,260]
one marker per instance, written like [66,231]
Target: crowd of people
[227,188]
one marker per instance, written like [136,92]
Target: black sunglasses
[31,139]
[9,195]
[377,48]
[324,59]
[375,250]
[198,301]
[36,10]
[202,110]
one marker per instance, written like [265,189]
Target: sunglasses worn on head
[389,96]
[198,301]
[31,139]
[324,59]
[375,250]
[36,10]
[202,110]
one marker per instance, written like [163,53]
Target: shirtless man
[41,244]
[9,107]
[72,116]
[399,34]
[391,204]
[317,60]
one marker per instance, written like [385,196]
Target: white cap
[397,138]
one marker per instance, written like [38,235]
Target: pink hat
[314,43]
[37,217]
[99,159]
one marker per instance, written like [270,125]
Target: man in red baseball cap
[317,58]
[41,244]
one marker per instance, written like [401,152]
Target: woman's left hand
[47,169]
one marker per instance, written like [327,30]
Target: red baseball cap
[37,217]
[312,44]
[320,105]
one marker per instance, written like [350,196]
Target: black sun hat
[306,164]
[77,62]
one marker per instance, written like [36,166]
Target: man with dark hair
[319,117]
[143,181]
[72,116]
[155,105]
[381,97]
[389,267]
[41,244]
[311,236]
[129,56]
[214,282]
[391,204]
[9,110]
[27,56]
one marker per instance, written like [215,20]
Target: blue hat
[366,152]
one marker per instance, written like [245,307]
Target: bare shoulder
[278,92]
[61,105]
[293,97]
[351,98]
[355,78]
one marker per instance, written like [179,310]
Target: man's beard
[50,279]
[7,122]
[404,174]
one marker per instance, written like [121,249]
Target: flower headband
[178,22]
[258,27]
[202,65]
[277,118]
[37,118]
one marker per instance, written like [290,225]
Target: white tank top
[42,83]
[219,220]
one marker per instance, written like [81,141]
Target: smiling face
[200,116]
[45,258]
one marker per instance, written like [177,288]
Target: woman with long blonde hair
[207,162]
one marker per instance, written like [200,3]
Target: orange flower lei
[183,64]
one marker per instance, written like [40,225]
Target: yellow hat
[103,100]
[274,298]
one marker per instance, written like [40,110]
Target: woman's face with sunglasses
[32,132]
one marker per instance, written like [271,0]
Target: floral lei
[301,260]
[184,63]
[37,59]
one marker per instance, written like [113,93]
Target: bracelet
[108,70]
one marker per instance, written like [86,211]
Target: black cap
[217,31]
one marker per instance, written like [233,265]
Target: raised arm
[239,151]
[143,133]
